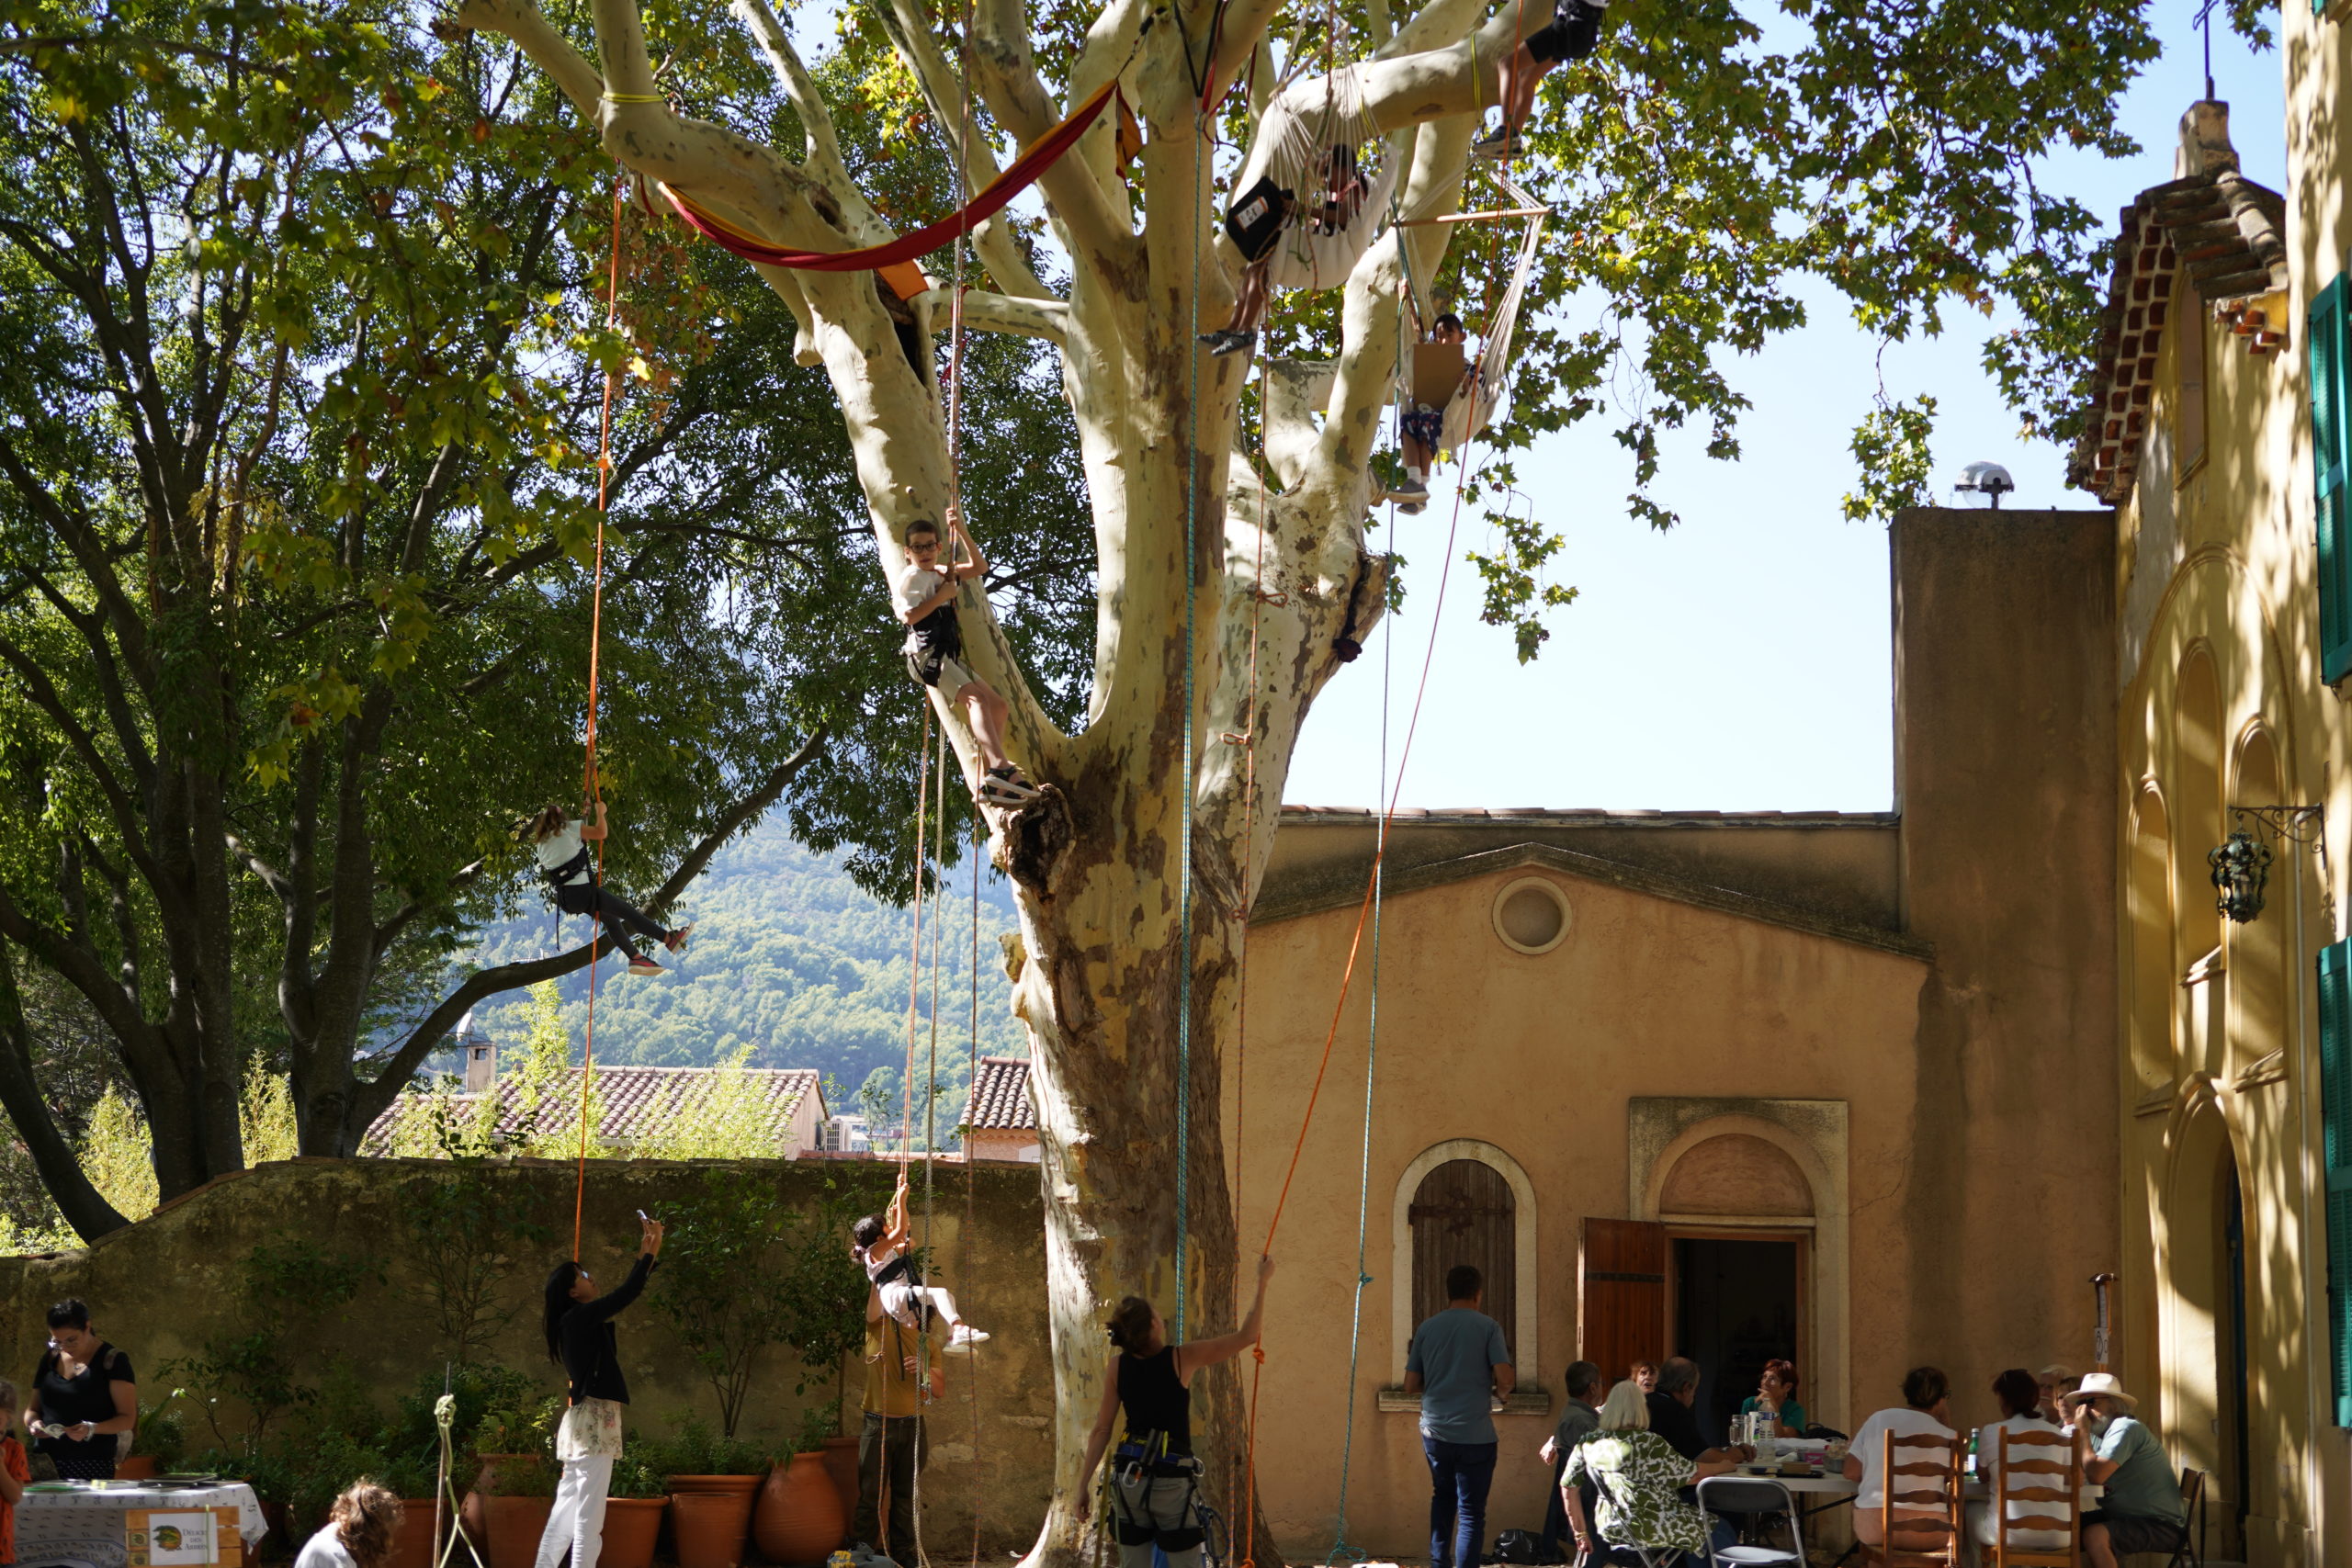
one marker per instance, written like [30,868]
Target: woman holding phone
[580,1334]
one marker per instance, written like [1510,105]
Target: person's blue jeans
[1460,1474]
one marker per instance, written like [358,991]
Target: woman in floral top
[1640,1479]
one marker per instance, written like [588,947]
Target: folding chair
[2046,1485]
[2190,1554]
[1927,1533]
[1753,1497]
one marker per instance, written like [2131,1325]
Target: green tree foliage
[794,963]
[298,483]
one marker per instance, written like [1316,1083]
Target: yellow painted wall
[1538,1056]
[2223,705]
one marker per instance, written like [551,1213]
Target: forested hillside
[793,961]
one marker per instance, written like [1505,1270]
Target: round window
[1532,916]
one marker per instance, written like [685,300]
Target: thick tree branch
[1045,319]
[370,1100]
[84,1208]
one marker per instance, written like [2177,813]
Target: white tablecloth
[86,1525]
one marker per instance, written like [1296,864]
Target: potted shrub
[713,1481]
[522,1495]
[513,1449]
[801,1515]
[633,1511]
[417,1546]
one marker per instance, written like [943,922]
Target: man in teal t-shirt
[2140,1506]
[1459,1366]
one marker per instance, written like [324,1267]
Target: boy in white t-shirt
[879,1242]
[1925,1412]
[924,593]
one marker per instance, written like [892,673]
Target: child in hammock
[924,593]
[1573,32]
[1255,224]
[570,867]
[878,1241]
[1422,429]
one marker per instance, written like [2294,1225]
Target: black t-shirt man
[1678,1422]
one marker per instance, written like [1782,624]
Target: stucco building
[2218,431]
[1833,1087]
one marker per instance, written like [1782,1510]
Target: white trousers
[577,1521]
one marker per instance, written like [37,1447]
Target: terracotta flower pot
[743,1485]
[800,1517]
[632,1524]
[138,1467]
[841,1463]
[708,1528]
[515,1526]
[412,1547]
[473,1514]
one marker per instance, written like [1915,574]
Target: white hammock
[1304,120]
[1487,398]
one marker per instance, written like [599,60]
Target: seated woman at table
[2021,1398]
[1776,1396]
[14,1472]
[359,1530]
[84,1396]
[1640,1478]
[1924,1413]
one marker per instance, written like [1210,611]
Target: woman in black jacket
[579,1334]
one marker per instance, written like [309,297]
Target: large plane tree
[1697,166]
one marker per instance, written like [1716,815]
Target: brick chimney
[481,1064]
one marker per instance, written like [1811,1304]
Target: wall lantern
[2240,865]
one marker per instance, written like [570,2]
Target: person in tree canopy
[1573,32]
[1422,427]
[560,844]
[922,592]
[1255,223]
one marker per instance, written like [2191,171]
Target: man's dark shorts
[1572,34]
[1256,217]
[2128,1533]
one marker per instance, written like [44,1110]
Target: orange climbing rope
[595,645]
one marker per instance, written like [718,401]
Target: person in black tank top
[84,1397]
[1154,1476]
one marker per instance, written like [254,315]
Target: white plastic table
[86,1525]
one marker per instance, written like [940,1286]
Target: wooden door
[1620,1295]
[1463,1212]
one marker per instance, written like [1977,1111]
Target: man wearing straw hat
[2141,1510]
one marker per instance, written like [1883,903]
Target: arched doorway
[1740,1215]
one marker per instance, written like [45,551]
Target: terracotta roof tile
[634,1104]
[999,1100]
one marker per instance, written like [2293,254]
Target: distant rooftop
[635,1104]
[999,1100]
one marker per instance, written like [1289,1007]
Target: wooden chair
[2048,1483]
[2189,1552]
[1927,1533]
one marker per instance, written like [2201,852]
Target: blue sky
[1742,661]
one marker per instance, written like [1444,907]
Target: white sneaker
[960,1340]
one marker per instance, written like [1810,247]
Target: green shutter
[2335,1098]
[2332,497]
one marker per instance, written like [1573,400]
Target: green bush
[697,1450]
[632,1477]
[478,1389]
[524,1475]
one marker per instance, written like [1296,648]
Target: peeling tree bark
[1095,860]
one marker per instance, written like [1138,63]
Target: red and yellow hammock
[1024,172]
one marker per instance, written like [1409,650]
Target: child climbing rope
[1255,223]
[924,593]
[1573,32]
[1422,428]
[560,844]
[878,1241]
[1155,1476]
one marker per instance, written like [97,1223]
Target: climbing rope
[595,646]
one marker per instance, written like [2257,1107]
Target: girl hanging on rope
[878,1241]
[579,1334]
[1154,1475]
[560,844]
[924,593]
[1573,32]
